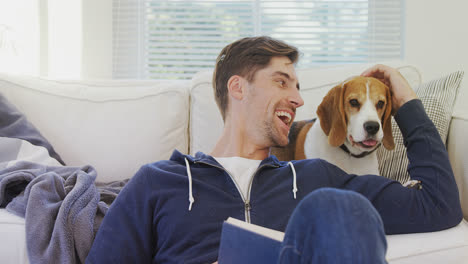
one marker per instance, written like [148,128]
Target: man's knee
[326,224]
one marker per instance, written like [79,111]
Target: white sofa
[119,125]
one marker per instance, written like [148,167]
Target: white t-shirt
[241,169]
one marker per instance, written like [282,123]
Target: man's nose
[296,99]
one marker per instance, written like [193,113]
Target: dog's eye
[380,104]
[354,103]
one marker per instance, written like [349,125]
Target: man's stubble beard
[272,135]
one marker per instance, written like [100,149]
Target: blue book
[242,242]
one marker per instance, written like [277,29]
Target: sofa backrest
[206,124]
[119,125]
[457,146]
[114,125]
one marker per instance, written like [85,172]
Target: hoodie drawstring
[294,190]
[189,174]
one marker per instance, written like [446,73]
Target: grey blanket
[63,208]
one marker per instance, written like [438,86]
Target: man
[172,211]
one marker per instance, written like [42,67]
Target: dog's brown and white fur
[354,118]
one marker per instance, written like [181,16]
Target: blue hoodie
[172,211]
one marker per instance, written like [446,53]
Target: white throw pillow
[115,126]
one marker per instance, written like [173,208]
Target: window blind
[174,39]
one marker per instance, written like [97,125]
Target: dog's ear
[387,140]
[332,116]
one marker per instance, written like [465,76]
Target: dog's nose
[371,127]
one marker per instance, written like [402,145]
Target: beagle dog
[354,119]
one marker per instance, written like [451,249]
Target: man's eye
[380,104]
[281,82]
[354,103]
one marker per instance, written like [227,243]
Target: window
[173,39]
[19,37]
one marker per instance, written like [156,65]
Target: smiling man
[172,211]
[263,109]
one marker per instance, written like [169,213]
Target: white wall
[76,39]
[436,40]
[437,35]
[97,39]
[64,39]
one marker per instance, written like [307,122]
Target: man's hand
[399,87]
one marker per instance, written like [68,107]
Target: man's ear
[235,86]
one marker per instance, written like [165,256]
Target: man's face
[271,101]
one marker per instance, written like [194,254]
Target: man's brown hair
[245,57]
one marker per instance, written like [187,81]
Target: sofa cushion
[21,141]
[446,246]
[438,97]
[115,126]
[456,147]
[13,238]
[206,123]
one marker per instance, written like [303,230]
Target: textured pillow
[21,141]
[438,98]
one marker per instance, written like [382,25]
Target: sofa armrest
[457,147]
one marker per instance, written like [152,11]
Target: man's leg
[334,226]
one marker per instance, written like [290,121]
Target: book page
[267,232]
